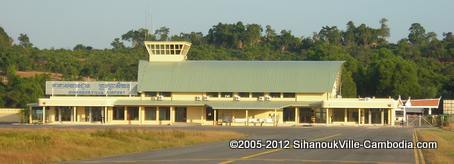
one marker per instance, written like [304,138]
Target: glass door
[180,114]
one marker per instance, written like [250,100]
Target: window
[258,94]
[93,114]
[289,95]
[244,94]
[63,112]
[150,113]
[289,114]
[133,113]
[164,113]
[320,115]
[275,95]
[180,114]
[151,94]
[212,94]
[209,113]
[226,94]
[165,94]
[118,113]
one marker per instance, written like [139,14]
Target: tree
[163,33]
[196,38]
[417,34]
[137,37]
[270,34]
[227,35]
[117,44]
[392,76]
[383,32]
[24,41]
[330,35]
[5,40]
[365,35]
[82,47]
[349,37]
[348,87]
[252,35]
[286,41]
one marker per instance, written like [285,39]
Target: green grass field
[45,145]
[445,139]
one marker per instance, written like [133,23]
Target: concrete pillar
[405,114]
[125,113]
[215,117]
[202,120]
[172,115]
[370,116]
[392,116]
[359,116]
[90,115]
[30,114]
[297,114]
[363,118]
[44,114]
[419,120]
[106,115]
[59,114]
[345,115]
[109,114]
[141,114]
[382,112]
[74,114]
[327,116]
[157,116]
[430,111]
[247,117]
[389,117]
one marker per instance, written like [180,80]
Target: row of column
[104,115]
[141,114]
[361,117]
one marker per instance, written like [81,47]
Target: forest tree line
[420,65]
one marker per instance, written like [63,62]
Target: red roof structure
[425,103]
[421,103]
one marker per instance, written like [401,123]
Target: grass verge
[445,139]
[53,145]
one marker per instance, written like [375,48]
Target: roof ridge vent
[167,51]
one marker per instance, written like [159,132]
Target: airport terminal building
[173,90]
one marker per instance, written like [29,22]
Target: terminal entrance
[63,113]
[180,114]
[306,115]
[375,116]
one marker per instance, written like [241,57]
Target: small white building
[416,107]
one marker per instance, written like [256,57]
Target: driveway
[220,152]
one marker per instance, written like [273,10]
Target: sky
[66,23]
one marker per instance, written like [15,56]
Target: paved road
[221,153]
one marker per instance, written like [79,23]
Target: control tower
[167,51]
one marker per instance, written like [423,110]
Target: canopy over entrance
[157,103]
[257,105]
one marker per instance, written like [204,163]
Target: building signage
[90,88]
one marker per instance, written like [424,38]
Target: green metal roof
[238,76]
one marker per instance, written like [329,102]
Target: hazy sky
[65,23]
